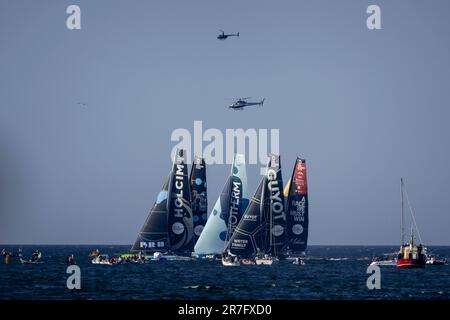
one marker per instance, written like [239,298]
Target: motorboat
[102,259]
[436,261]
[266,260]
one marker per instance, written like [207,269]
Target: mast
[401,214]
[411,241]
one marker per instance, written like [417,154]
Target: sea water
[331,272]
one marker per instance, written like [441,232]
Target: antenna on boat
[411,241]
[401,214]
[413,216]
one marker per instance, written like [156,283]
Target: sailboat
[410,255]
[199,198]
[260,234]
[168,231]
[275,213]
[297,215]
[226,213]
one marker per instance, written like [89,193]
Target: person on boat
[94,253]
[141,257]
[36,255]
[71,259]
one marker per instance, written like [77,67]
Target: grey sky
[363,107]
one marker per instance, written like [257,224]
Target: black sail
[274,205]
[249,235]
[153,235]
[199,198]
[180,222]
[297,209]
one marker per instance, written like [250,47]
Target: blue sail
[227,211]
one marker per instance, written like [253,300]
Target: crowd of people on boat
[5,253]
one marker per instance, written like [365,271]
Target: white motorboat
[266,260]
[436,261]
[35,258]
[102,259]
[388,262]
[230,261]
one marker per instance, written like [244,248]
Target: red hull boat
[410,256]
[409,264]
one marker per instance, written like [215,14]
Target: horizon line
[311,245]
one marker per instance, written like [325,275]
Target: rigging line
[412,214]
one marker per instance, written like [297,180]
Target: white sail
[229,207]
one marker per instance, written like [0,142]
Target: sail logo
[239,243]
[151,244]
[234,205]
[218,147]
[250,217]
[277,230]
[276,202]
[198,163]
[297,229]
[300,178]
[179,185]
[300,209]
[275,199]
[178,228]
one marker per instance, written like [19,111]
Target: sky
[363,107]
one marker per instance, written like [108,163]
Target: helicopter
[241,103]
[223,36]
